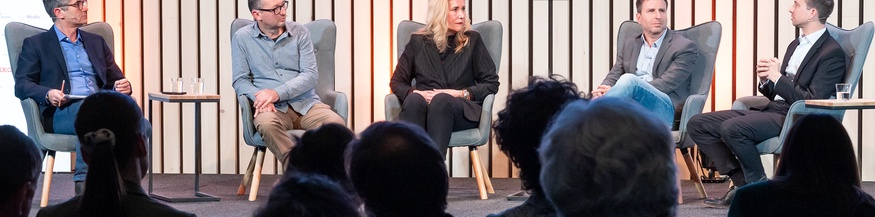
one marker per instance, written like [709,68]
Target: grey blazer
[674,63]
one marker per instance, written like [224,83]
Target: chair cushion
[770,146]
[465,137]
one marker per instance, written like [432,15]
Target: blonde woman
[453,72]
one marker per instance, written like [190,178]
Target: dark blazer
[136,203]
[821,69]
[676,60]
[470,69]
[41,67]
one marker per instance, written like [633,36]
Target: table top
[841,104]
[184,97]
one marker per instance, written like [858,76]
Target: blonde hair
[436,26]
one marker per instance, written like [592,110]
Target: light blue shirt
[81,72]
[287,65]
[644,68]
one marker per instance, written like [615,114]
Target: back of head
[18,172]
[520,125]
[397,171]
[818,155]
[109,127]
[824,8]
[308,195]
[609,157]
[321,151]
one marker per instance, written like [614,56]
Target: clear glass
[197,86]
[843,91]
[176,85]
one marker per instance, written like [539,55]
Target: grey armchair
[707,37]
[491,32]
[48,143]
[323,33]
[856,43]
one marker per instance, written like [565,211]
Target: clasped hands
[601,90]
[264,100]
[56,97]
[429,94]
[768,69]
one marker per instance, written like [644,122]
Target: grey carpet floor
[463,197]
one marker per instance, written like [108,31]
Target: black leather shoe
[723,202]
[80,188]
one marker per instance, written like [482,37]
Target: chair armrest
[341,106]
[34,121]
[393,107]
[798,110]
[486,115]
[246,113]
[745,103]
[694,105]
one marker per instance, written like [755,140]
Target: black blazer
[821,69]
[135,204]
[470,69]
[41,67]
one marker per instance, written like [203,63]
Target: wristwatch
[465,94]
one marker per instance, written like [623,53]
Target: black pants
[439,118]
[730,137]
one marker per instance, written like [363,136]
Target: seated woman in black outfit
[453,72]
[817,176]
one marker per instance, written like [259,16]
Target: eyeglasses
[277,10]
[78,4]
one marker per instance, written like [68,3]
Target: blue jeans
[63,124]
[630,86]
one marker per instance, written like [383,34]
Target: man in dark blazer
[812,65]
[655,67]
[66,61]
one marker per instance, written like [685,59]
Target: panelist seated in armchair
[60,66]
[453,72]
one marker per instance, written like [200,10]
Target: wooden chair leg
[256,175]
[247,176]
[694,175]
[478,174]
[486,178]
[680,192]
[47,178]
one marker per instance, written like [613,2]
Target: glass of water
[197,86]
[176,85]
[843,91]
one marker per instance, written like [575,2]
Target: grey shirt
[287,65]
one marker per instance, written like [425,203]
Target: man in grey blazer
[655,69]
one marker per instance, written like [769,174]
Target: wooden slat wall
[158,40]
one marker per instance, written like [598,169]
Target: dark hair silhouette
[397,170]
[22,162]
[321,151]
[521,124]
[308,195]
[105,152]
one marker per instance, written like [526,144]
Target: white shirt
[644,67]
[805,44]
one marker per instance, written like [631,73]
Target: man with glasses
[274,64]
[63,62]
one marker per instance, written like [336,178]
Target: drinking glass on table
[843,91]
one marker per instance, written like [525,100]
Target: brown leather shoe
[723,202]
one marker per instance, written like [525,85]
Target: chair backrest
[16,32]
[323,34]
[856,43]
[490,31]
[705,35]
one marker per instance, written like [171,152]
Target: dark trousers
[730,137]
[439,118]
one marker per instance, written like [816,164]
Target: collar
[811,38]
[658,41]
[256,32]
[62,37]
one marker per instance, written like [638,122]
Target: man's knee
[440,101]
[627,79]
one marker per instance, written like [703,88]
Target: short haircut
[638,4]
[308,195]
[520,125]
[824,8]
[22,162]
[50,6]
[609,157]
[321,151]
[254,4]
[398,171]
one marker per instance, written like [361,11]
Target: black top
[135,204]
[767,199]
[471,69]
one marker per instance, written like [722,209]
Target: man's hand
[451,92]
[56,97]
[267,108]
[769,68]
[123,86]
[426,94]
[601,90]
[265,97]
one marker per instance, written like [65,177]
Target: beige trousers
[273,127]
